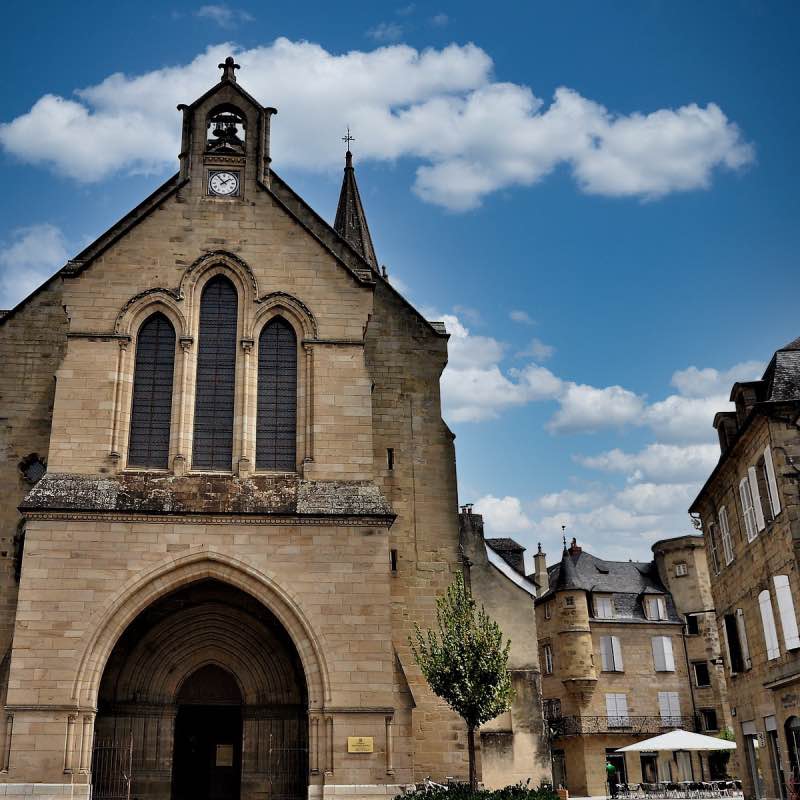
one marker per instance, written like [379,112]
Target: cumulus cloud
[537,350]
[30,256]
[694,382]
[585,409]
[502,515]
[223,15]
[567,499]
[432,106]
[440,20]
[664,463]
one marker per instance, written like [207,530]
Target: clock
[223,184]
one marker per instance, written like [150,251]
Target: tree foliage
[465,661]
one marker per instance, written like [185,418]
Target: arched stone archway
[208,686]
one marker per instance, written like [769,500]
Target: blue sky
[599,198]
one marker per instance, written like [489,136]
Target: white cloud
[433,106]
[694,382]
[224,15]
[502,515]
[440,20]
[522,317]
[585,409]
[567,499]
[657,498]
[662,463]
[27,259]
[537,350]
[385,32]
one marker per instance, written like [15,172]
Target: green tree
[465,662]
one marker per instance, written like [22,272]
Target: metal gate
[112,763]
[287,772]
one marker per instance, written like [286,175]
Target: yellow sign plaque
[224,755]
[360,744]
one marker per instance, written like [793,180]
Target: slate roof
[351,221]
[782,376]
[148,493]
[592,574]
[627,581]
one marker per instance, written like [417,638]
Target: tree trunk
[473,772]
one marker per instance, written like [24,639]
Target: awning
[679,740]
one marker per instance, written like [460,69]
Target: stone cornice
[214,519]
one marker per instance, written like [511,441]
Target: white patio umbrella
[679,740]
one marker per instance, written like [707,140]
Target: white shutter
[727,545]
[756,495]
[740,627]
[768,621]
[783,594]
[747,509]
[771,482]
[663,705]
[605,653]
[616,649]
[663,659]
[728,647]
[617,710]
[670,708]
[669,659]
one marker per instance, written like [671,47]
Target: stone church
[226,496]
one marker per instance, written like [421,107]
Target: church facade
[226,496]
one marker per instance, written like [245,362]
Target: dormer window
[655,608]
[604,607]
[226,130]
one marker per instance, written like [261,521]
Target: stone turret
[573,641]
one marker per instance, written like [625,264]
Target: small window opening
[32,468]
[692,625]
[226,131]
[390,457]
[393,559]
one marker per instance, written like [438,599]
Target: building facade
[221,426]
[628,650]
[749,512]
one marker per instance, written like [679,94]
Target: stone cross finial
[229,69]
[347,139]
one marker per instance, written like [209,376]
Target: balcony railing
[629,725]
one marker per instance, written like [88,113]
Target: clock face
[223,184]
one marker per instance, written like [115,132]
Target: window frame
[547,653]
[604,598]
[768,627]
[748,509]
[704,665]
[727,542]
[662,646]
[611,654]
[661,608]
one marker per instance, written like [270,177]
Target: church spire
[351,221]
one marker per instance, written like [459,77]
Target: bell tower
[225,141]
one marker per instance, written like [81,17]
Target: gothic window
[226,131]
[151,410]
[276,421]
[216,373]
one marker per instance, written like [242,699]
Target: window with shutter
[663,658]
[755,493]
[731,631]
[772,483]
[276,420]
[748,512]
[617,710]
[603,607]
[783,594]
[768,623]
[655,608]
[547,650]
[742,629]
[670,708]
[727,544]
[151,409]
[216,377]
[713,546]
[611,654]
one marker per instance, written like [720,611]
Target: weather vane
[347,139]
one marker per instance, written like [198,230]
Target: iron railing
[630,725]
[112,768]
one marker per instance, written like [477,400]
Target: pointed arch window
[276,421]
[151,410]
[216,377]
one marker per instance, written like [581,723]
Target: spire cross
[229,68]
[347,139]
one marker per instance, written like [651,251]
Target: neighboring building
[750,512]
[222,427]
[627,653]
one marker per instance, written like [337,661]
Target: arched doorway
[206,690]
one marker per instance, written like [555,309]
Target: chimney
[540,576]
[574,550]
